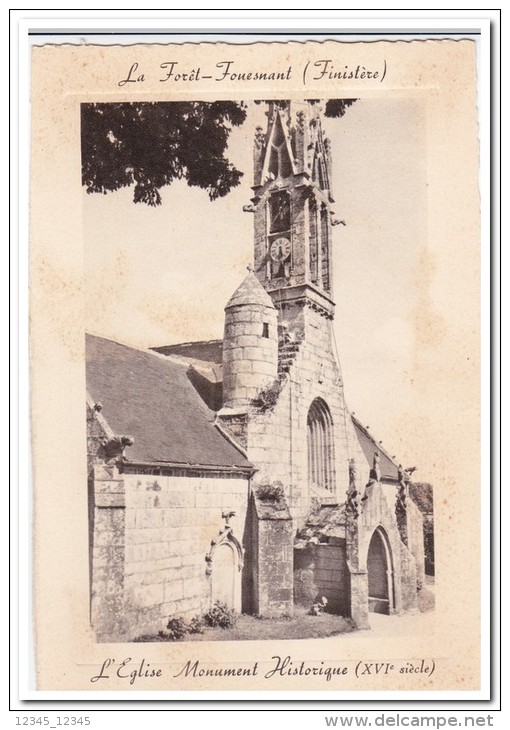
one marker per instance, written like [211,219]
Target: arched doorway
[224,567]
[380,574]
[223,587]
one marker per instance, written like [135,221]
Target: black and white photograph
[228,480]
[255,368]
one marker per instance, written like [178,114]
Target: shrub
[270,493]
[268,398]
[221,615]
[196,625]
[176,628]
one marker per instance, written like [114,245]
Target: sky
[163,275]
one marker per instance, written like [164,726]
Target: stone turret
[250,344]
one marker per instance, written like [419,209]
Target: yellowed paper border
[443,422]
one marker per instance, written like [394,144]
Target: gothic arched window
[321,472]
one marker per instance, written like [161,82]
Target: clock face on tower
[280,249]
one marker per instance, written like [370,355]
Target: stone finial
[113,448]
[353,505]
[352,472]
[375,472]
[300,118]
[404,475]
[227,516]
[259,137]
[401,501]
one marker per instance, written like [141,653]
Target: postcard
[255,367]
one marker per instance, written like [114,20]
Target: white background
[46,704]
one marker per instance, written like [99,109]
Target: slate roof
[328,522]
[389,470]
[206,373]
[206,358]
[205,350]
[151,398]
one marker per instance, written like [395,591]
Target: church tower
[283,396]
[319,523]
[293,220]
[292,206]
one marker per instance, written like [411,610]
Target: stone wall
[276,439]
[250,357]
[107,552]
[378,513]
[408,581]
[274,541]
[97,431]
[276,442]
[149,553]
[416,539]
[321,570]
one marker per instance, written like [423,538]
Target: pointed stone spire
[250,291]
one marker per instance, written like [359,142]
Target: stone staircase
[287,352]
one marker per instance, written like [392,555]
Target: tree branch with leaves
[148,145]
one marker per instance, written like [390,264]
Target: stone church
[232,470]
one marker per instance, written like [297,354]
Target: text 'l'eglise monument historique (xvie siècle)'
[232,471]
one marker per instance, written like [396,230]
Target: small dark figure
[319,607]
